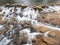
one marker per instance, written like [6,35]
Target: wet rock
[42,16]
[23,6]
[50,41]
[24,38]
[41,28]
[37,8]
[39,42]
[39,36]
[17,41]
[1,21]
[53,19]
[25,24]
[44,6]
[40,19]
[55,34]
[5,30]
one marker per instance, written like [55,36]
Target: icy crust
[27,14]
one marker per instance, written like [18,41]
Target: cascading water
[28,14]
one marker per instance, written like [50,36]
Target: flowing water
[29,15]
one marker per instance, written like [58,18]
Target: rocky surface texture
[29,25]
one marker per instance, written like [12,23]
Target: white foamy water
[52,8]
[5,41]
[1,27]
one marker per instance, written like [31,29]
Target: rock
[5,30]
[25,24]
[17,41]
[50,41]
[37,8]
[13,21]
[39,36]
[40,18]
[39,42]
[54,34]
[12,5]
[53,18]
[23,6]
[40,28]
[24,38]
[1,21]
[44,6]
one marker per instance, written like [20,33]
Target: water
[28,2]
[27,11]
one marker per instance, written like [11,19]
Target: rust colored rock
[24,38]
[41,28]
[40,19]
[39,36]
[54,34]
[39,42]
[50,41]
[25,24]
[43,43]
[53,19]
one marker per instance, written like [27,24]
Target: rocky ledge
[29,25]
